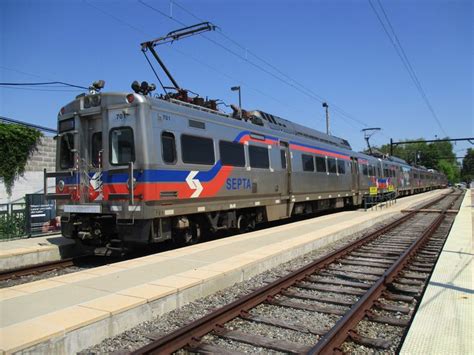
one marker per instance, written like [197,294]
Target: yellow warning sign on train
[373,190]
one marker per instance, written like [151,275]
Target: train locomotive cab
[97,145]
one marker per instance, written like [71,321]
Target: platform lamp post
[326,106]
[237,88]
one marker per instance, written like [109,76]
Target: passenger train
[137,169]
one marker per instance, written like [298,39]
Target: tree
[467,172]
[17,143]
[436,155]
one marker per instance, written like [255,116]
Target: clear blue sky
[335,48]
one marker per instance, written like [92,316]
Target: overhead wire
[19,71]
[197,60]
[45,84]
[319,98]
[394,40]
[36,89]
[294,84]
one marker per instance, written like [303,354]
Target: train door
[355,175]
[286,167]
[91,155]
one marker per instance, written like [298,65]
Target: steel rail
[343,329]
[191,333]
[38,268]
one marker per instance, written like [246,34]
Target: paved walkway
[444,321]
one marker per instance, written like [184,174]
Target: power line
[37,89]
[197,60]
[404,58]
[45,83]
[209,66]
[19,71]
[294,84]
[115,17]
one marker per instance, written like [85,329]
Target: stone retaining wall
[44,157]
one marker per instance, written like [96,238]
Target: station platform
[444,321]
[30,251]
[69,313]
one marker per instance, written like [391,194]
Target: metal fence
[380,200]
[34,217]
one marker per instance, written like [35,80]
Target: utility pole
[326,106]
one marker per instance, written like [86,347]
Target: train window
[197,150]
[232,153]
[66,125]
[385,173]
[283,158]
[321,165]
[258,157]
[308,162]
[341,167]
[332,165]
[122,147]
[96,143]
[168,147]
[66,153]
[365,170]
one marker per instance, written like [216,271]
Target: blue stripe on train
[154,176]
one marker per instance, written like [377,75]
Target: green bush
[12,226]
[17,144]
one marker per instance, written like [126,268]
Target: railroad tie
[262,341]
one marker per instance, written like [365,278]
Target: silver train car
[135,169]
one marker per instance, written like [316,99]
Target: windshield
[66,153]
[122,150]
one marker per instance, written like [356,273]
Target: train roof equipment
[181,94]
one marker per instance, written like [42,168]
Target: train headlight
[61,185]
[87,102]
[95,100]
[91,101]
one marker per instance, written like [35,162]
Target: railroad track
[43,267]
[87,260]
[376,279]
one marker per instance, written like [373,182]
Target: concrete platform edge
[32,255]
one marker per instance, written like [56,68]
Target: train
[135,169]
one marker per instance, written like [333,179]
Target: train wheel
[245,223]
[188,236]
